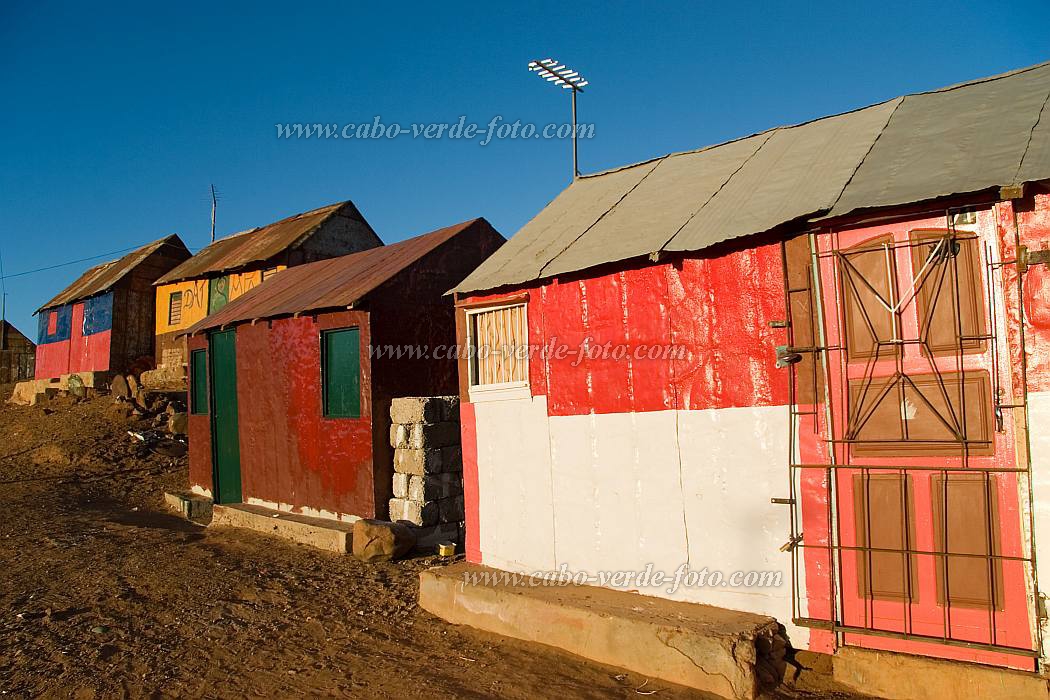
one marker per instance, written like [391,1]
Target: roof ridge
[956,86]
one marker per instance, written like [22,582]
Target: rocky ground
[104,593]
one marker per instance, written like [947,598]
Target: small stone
[76,386]
[376,540]
[178,424]
[119,387]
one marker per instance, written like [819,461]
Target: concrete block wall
[428,466]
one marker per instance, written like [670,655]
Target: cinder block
[190,505]
[451,509]
[452,458]
[401,485]
[400,435]
[397,509]
[431,435]
[427,513]
[418,462]
[450,409]
[434,487]
[417,409]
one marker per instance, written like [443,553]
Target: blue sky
[118,117]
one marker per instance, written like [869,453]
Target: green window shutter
[199,382]
[341,372]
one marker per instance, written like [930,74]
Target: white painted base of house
[286,507]
[201,491]
[622,492]
[1039,431]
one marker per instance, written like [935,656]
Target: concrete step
[332,535]
[191,506]
[887,674]
[728,653]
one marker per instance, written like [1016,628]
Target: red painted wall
[52,359]
[716,309]
[290,453]
[199,431]
[81,353]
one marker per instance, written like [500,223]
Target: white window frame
[502,391]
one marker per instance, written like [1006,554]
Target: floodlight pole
[575,157]
[561,75]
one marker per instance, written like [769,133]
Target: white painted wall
[1038,421]
[612,492]
[514,485]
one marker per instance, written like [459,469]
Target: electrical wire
[71,262]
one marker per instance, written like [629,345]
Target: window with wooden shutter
[498,347]
[341,373]
[199,382]
[175,308]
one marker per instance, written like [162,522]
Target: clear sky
[117,117]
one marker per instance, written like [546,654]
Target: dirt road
[106,594]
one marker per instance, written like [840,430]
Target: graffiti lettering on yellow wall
[240,284]
[195,296]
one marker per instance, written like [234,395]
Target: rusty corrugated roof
[258,244]
[102,278]
[329,284]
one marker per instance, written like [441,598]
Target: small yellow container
[446,549]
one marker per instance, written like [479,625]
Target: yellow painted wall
[194,304]
[195,298]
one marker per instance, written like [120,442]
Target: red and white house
[821,351]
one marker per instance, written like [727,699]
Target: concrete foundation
[729,653]
[33,391]
[890,675]
[190,505]
[332,535]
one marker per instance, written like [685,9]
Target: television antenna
[558,73]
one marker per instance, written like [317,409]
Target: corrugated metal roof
[10,333]
[258,244]
[329,284]
[960,139]
[102,278]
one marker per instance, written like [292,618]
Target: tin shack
[233,265]
[290,384]
[815,360]
[103,322]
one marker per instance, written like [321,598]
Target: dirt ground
[104,593]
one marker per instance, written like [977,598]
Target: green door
[218,293]
[225,439]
